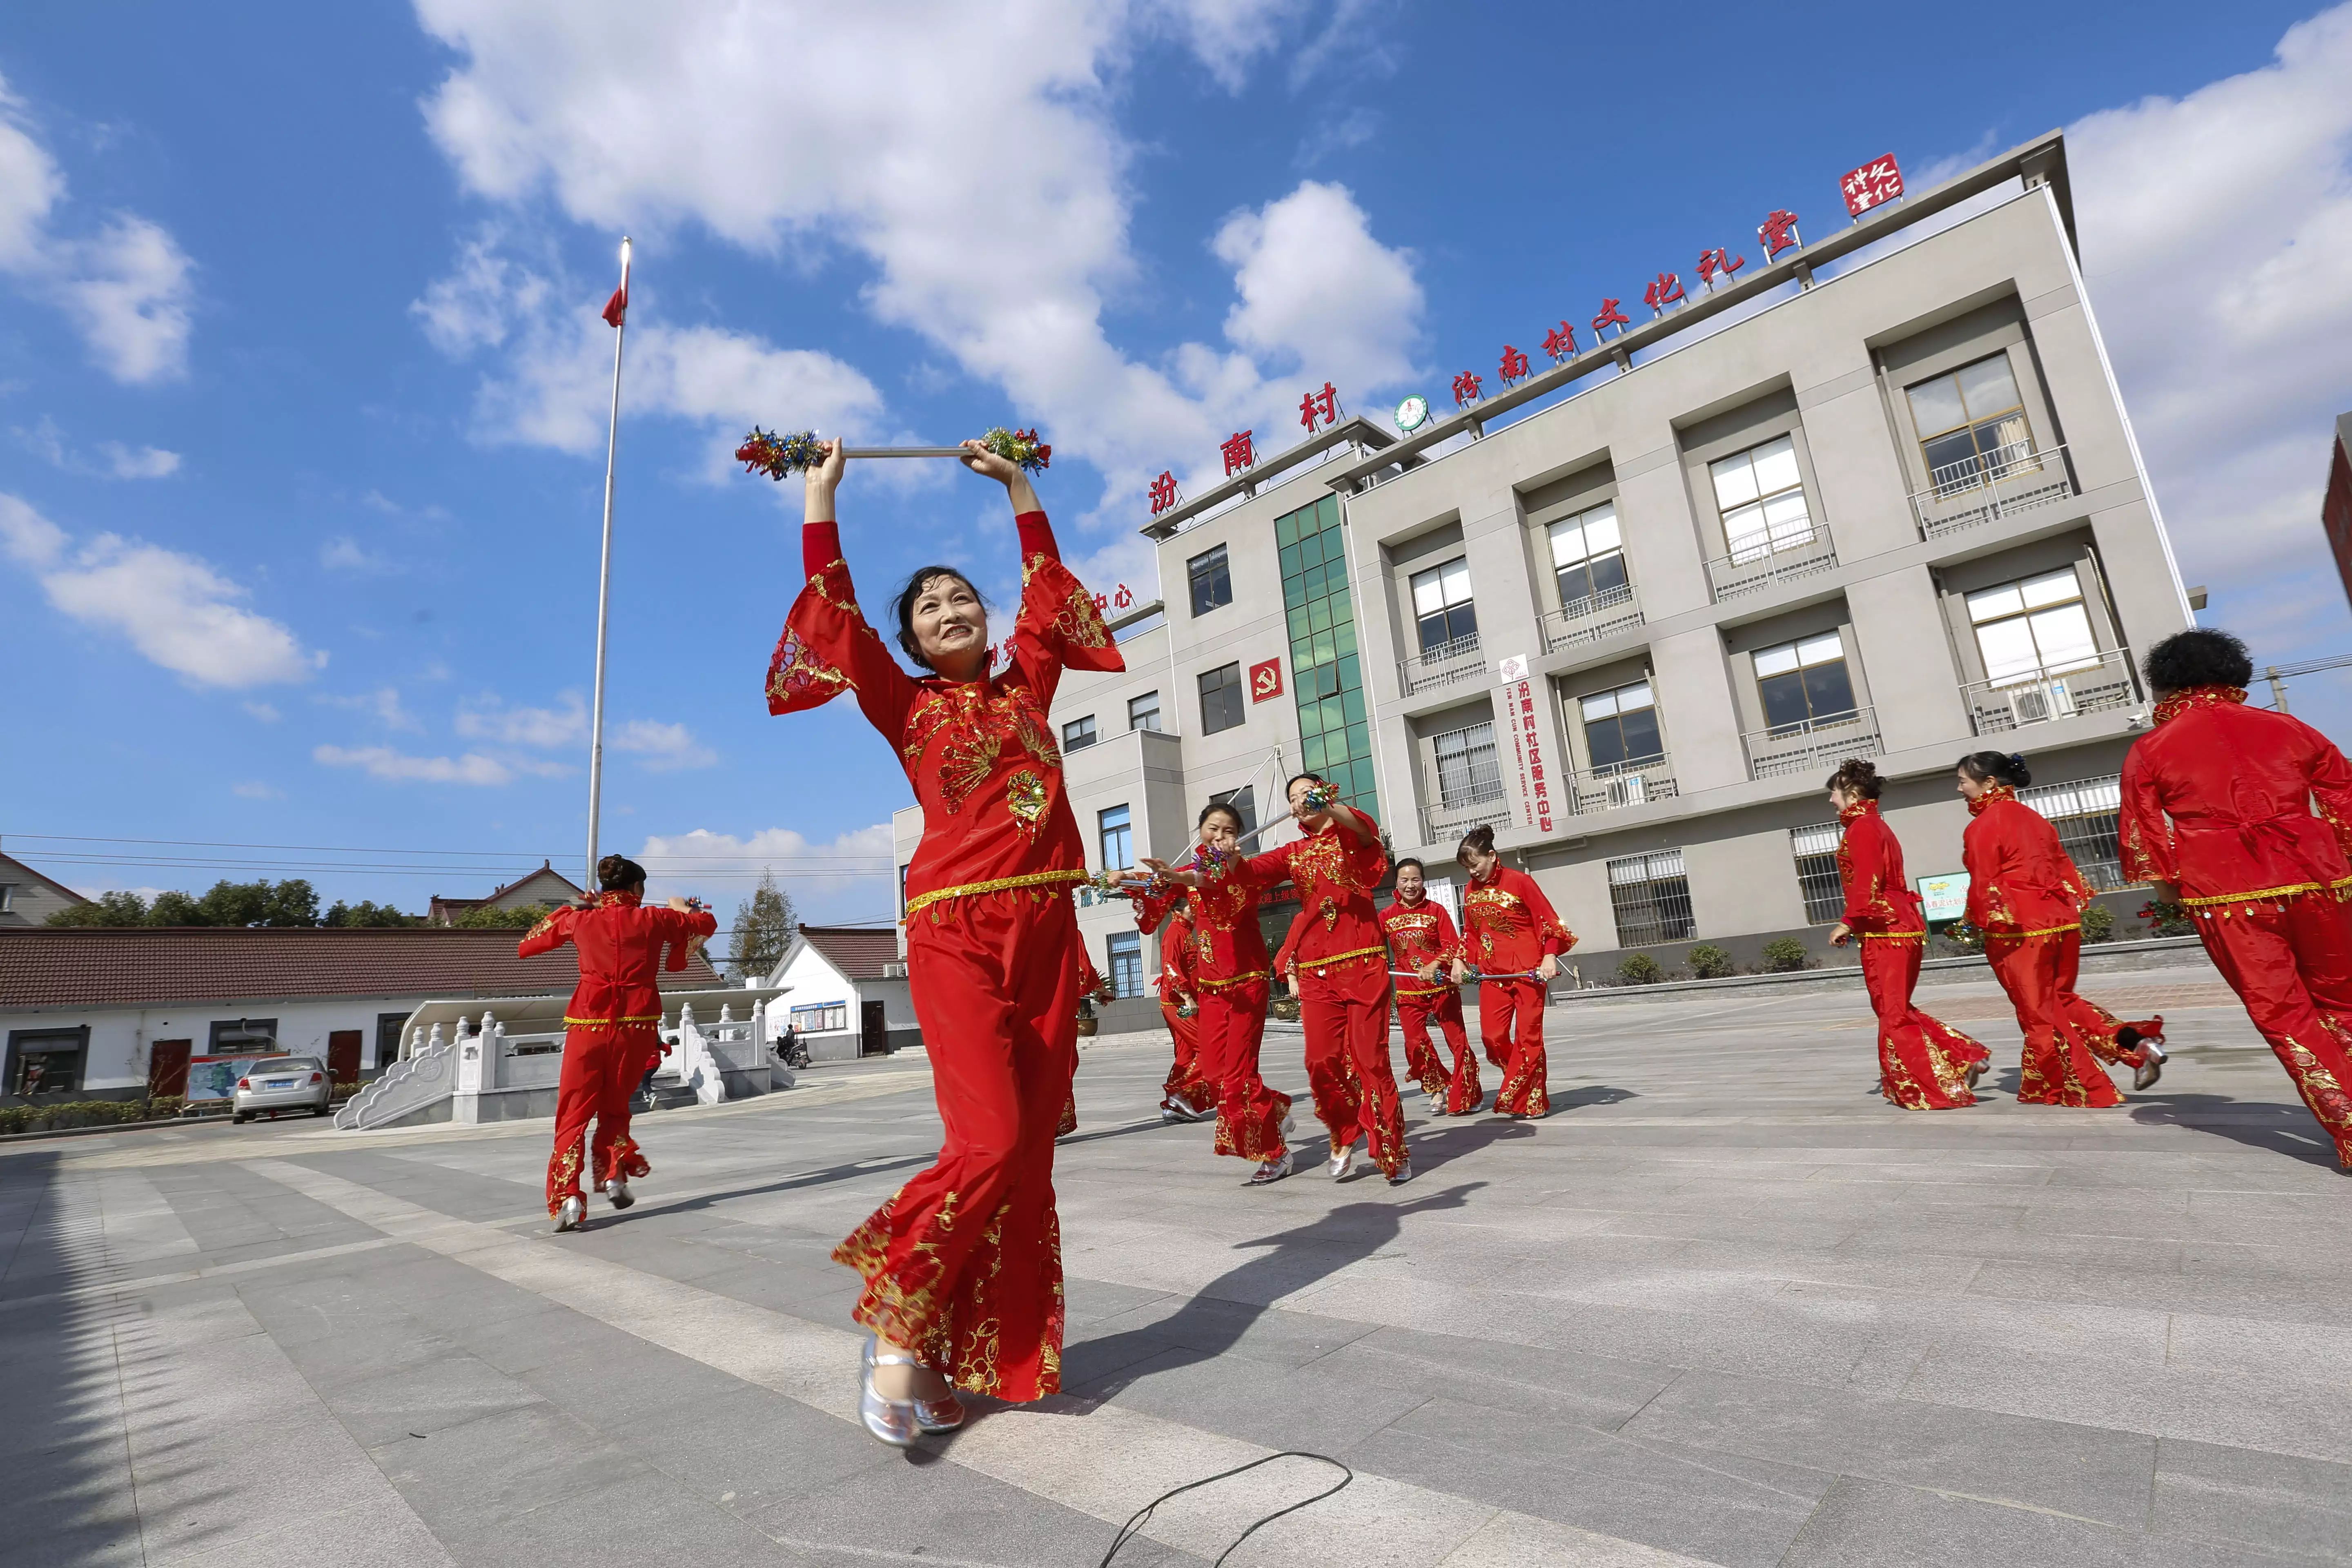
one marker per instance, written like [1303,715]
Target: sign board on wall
[1532,797]
[214,1077]
[1944,897]
[1265,680]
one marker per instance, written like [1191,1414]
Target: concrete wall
[119,1037]
[811,981]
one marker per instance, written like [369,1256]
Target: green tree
[106,910]
[764,925]
[175,909]
[369,913]
[489,916]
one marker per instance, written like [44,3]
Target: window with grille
[1078,733]
[1588,560]
[1815,849]
[1761,498]
[1244,803]
[1442,609]
[1650,897]
[2033,627]
[1126,955]
[2085,815]
[1621,726]
[1213,579]
[1117,838]
[1143,712]
[1468,771]
[1972,426]
[1221,699]
[1802,683]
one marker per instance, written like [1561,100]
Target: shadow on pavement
[2274,1129]
[1437,1146]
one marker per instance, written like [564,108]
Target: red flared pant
[1345,1009]
[1510,1022]
[1185,1081]
[2291,964]
[1923,1062]
[1464,1093]
[1249,1114]
[964,1265]
[601,1070]
[2060,1066]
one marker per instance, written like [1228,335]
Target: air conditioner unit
[2040,702]
[1628,791]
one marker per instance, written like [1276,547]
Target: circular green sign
[1413,413]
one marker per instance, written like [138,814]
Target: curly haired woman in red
[2026,896]
[1508,928]
[964,1265]
[1924,1064]
[612,1030]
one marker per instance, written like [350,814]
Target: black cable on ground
[1134,1527]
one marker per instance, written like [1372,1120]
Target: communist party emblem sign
[1265,680]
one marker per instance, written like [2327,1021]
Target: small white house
[847,993]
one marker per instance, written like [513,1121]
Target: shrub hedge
[87,1114]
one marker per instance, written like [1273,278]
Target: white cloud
[383,762]
[118,461]
[126,286]
[1317,290]
[665,748]
[146,463]
[264,711]
[856,865]
[487,717]
[255,790]
[344,553]
[383,702]
[173,608]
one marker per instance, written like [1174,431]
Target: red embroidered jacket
[619,943]
[1176,958]
[2238,783]
[979,754]
[1418,934]
[1878,900]
[1091,979]
[2021,880]
[1285,957]
[1509,926]
[1335,876]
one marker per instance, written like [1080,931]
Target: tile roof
[140,965]
[860,953]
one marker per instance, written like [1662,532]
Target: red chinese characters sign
[1537,805]
[1880,180]
[1265,680]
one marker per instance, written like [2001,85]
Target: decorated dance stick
[765,452]
[1125,881]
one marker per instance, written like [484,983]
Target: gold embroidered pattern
[1000,885]
[571,1023]
[1205,984]
[2258,895]
[797,675]
[2181,702]
[1318,965]
[564,1175]
[1027,799]
[966,759]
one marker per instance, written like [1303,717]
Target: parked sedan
[283,1083]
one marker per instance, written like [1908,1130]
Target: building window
[1117,841]
[1816,850]
[1803,683]
[1221,699]
[1589,561]
[1143,712]
[1762,499]
[1124,950]
[1972,426]
[1650,898]
[238,1036]
[7,898]
[1326,682]
[2038,627]
[1467,772]
[1442,609]
[45,1062]
[1213,582]
[821,1017]
[2085,816]
[1079,735]
[1244,801]
[1621,726]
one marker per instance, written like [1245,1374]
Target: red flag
[617,306]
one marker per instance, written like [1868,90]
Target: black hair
[1481,839]
[618,874]
[1858,777]
[2202,656]
[1215,806]
[1313,778]
[912,590]
[1414,861]
[1997,767]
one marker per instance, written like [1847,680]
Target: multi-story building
[1876,495]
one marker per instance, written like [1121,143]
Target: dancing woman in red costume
[1343,969]
[612,1030]
[1924,1064]
[964,1265]
[2262,876]
[1187,1094]
[2027,897]
[1422,938]
[1509,927]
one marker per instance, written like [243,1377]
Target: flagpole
[604,581]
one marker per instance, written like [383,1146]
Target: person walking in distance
[611,1029]
[1186,1094]
[1508,930]
[1421,939]
[1924,1064]
[2217,814]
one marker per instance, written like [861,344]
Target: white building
[846,992]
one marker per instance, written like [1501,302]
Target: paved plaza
[1724,1307]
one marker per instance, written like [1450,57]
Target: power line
[507,855]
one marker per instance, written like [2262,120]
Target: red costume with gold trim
[1343,995]
[612,1029]
[1186,1084]
[1509,926]
[1923,1062]
[2026,896]
[1420,934]
[964,1265]
[1230,983]
[2261,876]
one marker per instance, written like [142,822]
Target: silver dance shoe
[1403,1174]
[572,1215]
[891,1421]
[1271,1170]
[1342,1162]
[617,1193]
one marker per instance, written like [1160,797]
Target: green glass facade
[1324,676]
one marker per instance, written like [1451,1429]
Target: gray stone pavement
[1724,1306]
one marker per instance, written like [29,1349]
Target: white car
[283,1083]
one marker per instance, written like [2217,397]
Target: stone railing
[1795,748]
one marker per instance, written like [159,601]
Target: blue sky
[301,387]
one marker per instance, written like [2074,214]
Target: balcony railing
[1442,665]
[2089,685]
[1465,809]
[1754,567]
[1634,783]
[1591,619]
[1797,748]
[2009,479]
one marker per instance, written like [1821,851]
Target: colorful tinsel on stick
[765,452]
[1020,448]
